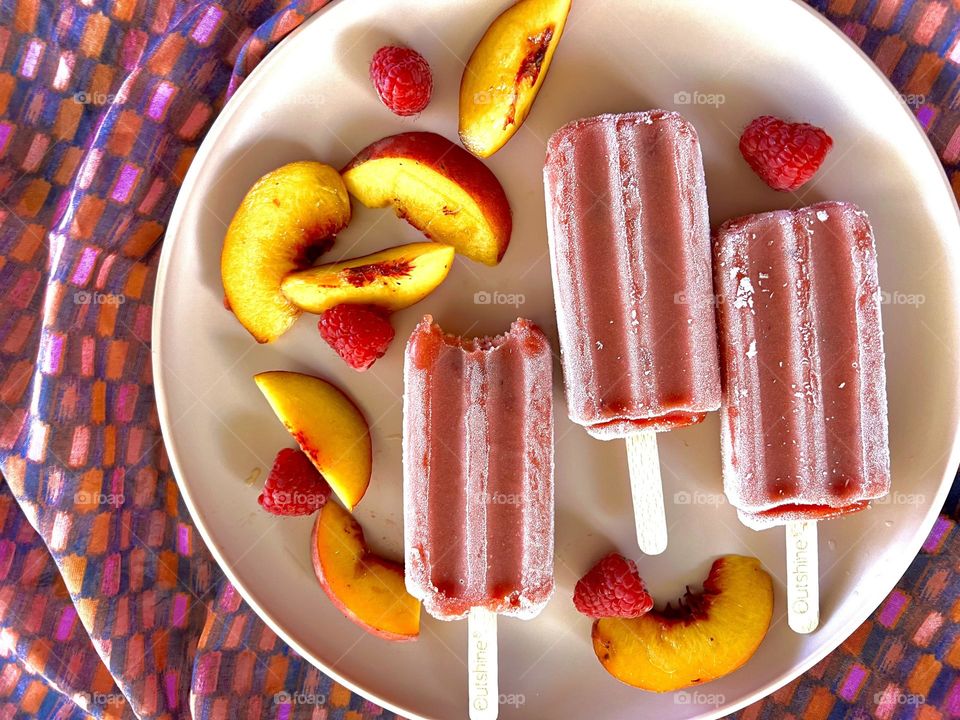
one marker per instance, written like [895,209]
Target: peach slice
[365,587]
[439,188]
[286,219]
[504,74]
[394,279]
[327,425]
[708,636]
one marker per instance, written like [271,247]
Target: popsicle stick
[643,460]
[803,577]
[482,665]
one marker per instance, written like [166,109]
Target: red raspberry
[359,333]
[612,588]
[294,486]
[785,155]
[402,78]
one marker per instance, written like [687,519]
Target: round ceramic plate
[720,64]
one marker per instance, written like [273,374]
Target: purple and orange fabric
[110,605]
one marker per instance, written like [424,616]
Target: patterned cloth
[110,605]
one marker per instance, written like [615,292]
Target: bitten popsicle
[630,250]
[478,483]
[804,416]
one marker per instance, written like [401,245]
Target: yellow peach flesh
[662,653]
[505,72]
[365,587]
[431,202]
[327,425]
[393,279]
[285,215]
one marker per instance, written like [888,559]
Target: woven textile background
[110,606]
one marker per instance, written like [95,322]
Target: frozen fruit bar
[630,249]
[804,418]
[478,471]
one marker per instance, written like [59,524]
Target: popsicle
[478,483]
[804,416]
[630,251]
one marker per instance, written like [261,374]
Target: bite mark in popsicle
[478,471]
[478,484]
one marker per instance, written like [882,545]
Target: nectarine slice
[365,587]
[710,635]
[327,425]
[439,188]
[504,74]
[281,223]
[394,279]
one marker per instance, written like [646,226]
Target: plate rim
[287,635]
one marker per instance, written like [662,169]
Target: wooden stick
[643,461]
[803,577]
[482,665]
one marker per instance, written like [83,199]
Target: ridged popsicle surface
[630,249]
[804,417]
[478,471]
